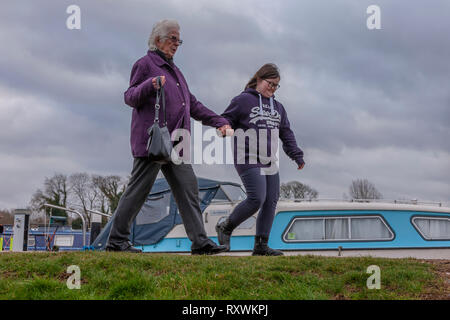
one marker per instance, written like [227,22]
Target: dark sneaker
[126,247]
[209,249]
[267,252]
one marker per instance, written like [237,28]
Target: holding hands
[225,130]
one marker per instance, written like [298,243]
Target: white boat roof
[290,205]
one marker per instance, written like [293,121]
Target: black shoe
[224,231]
[125,247]
[262,249]
[209,249]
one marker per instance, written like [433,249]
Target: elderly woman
[181,104]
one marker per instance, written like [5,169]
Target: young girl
[256,110]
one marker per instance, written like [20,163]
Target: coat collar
[158,60]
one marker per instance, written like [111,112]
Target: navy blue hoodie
[250,110]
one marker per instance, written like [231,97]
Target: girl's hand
[225,130]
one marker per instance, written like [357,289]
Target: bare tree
[297,190]
[85,193]
[56,192]
[94,192]
[363,189]
[112,187]
[6,216]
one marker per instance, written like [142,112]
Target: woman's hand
[163,81]
[225,130]
[300,167]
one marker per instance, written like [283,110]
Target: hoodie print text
[268,118]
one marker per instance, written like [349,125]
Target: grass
[105,275]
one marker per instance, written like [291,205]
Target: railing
[73,211]
[4,239]
[412,201]
[93,211]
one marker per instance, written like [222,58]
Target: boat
[48,238]
[334,228]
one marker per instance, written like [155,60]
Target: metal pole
[94,211]
[73,211]
[100,213]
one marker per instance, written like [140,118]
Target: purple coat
[181,104]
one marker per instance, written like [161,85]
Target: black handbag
[159,145]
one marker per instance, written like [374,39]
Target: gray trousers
[184,187]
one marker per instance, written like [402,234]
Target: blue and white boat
[335,228]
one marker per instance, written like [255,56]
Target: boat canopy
[159,214]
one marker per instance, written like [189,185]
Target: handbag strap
[160,96]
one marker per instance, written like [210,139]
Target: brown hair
[267,71]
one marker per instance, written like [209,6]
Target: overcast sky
[363,103]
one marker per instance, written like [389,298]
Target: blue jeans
[263,192]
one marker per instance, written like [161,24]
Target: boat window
[349,228]
[235,193]
[201,194]
[336,229]
[31,241]
[372,228]
[220,196]
[305,230]
[219,212]
[63,240]
[432,228]
[154,209]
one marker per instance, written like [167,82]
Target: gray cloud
[362,103]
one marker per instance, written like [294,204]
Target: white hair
[161,29]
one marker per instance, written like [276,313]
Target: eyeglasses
[175,39]
[273,85]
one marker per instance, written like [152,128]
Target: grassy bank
[157,276]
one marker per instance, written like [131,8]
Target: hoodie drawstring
[272,109]
[260,104]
